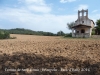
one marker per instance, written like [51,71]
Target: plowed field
[39,52]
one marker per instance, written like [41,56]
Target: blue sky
[44,15]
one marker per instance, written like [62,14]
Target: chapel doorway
[82,31]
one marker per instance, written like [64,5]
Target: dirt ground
[30,51]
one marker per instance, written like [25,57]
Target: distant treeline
[31,32]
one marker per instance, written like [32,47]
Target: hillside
[28,32]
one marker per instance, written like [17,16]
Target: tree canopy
[60,33]
[69,25]
[97,30]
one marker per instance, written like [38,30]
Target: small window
[82,21]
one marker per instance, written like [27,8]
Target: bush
[93,31]
[60,33]
[4,35]
[68,35]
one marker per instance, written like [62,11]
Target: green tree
[68,35]
[4,35]
[69,25]
[60,33]
[97,27]
[93,31]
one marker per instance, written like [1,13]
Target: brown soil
[30,51]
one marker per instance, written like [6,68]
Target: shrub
[93,31]
[60,33]
[4,35]
[68,35]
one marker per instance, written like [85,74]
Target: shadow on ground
[34,64]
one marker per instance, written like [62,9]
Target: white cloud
[36,6]
[38,2]
[64,1]
[94,17]
[94,11]
[42,9]
[43,22]
[42,2]
[82,6]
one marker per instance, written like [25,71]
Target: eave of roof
[93,22]
[80,25]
